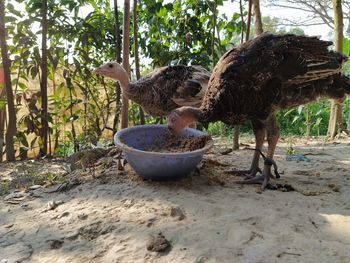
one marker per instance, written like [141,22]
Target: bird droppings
[313,193]
[51,205]
[334,187]
[177,213]
[172,143]
[56,244]
[281,187]
[157,243]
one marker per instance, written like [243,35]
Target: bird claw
[249,173]
[264,180]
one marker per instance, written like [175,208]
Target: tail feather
[339,88]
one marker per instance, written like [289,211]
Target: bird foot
[264,180]
[248,173]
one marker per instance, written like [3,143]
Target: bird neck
[192,115]
[123,79]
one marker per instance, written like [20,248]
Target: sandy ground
[206,217]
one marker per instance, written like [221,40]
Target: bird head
[112,70]
[181,118]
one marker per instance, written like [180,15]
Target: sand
[206,217]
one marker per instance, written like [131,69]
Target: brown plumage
[261,76]
[162,90]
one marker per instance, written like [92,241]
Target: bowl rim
[127,148]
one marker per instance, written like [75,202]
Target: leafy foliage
[82,36]
[182,32]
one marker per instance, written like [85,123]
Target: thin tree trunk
[334,125]
[213,42]
[11,130]
[235,145]
[2,114]
[236,137]
[118,48]
[249,19]
[348,124]
[56,134]
[43,84]
[242,20]
[74,134]
[126,32]
[137,60]
[257,17]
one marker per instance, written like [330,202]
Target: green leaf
[300,109]
[295,119]
[288,112]
[33,72]
[22,138]
[162,12]
[318,121]
[346,46]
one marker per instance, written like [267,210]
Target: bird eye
[110,65]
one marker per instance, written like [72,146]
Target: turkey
[259,77]
[162,90]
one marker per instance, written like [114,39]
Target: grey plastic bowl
[158,165]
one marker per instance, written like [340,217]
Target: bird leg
[272,138]
[259,132]
[119,158]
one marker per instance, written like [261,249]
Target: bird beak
[97,71]
[174,130]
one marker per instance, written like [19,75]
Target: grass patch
[4,188]
[25,176]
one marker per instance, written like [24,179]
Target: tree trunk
[236,137]
[334,125]
[137,60]
[348,122]
[248,20]
[43,83]
[257,17]
[213,41]
[118,49]
[2,132]
[11,130]
[235,145]
[2,113]
[126,32]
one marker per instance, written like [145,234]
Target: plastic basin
[158,165]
